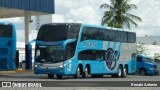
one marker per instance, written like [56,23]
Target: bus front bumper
[49,70]
[153,72]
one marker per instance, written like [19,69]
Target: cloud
[150,18]
[88,11]
[84,14]
[15,20]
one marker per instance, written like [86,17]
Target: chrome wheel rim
[119,72]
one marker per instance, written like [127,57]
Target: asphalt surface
[30,76]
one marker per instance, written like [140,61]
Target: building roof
[16,8]
[151,40]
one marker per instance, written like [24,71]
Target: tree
[116,14]
[157,57]
[142,49]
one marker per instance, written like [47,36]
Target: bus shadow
[44,77]
[88,78]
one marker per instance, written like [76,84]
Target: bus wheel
[50,76]
[78,73]
[119,74]
[124,74]
[59,76]
[142,72]
[85,73]
[120,71]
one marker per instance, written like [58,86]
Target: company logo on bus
[110,59]
[90,44]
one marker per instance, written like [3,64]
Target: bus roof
[90,25]
[112,28]
[63,24]
[6,23]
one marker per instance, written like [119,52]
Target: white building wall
[152,50]
[52,18]
[152,43]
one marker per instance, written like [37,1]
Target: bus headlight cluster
[62,65]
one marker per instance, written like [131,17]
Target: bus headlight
[61,66]
[35,65]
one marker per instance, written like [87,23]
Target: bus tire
[85,72]
[50,76]
[119,74]
[124,74]
[142,72]
[78,73]
[59,76]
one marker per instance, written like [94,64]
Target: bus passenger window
[91,55]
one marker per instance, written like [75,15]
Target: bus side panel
[100,67]
[132,66]
[132,62]
[71,66]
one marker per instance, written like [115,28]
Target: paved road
[30,76]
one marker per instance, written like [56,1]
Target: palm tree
[116,14]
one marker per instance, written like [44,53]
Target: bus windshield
[49,54]
[147,59]
[5,31]
[58,32]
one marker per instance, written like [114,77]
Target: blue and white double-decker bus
[7,46]
[82,50]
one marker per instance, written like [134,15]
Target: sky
[88,11]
